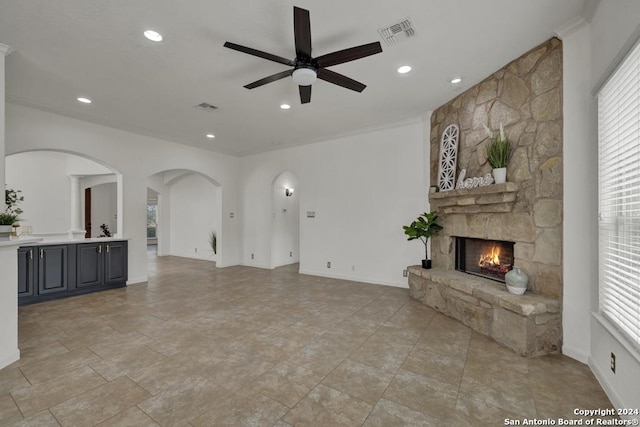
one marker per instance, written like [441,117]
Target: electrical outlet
[613,362]
[251,256]
[196,249]
[404,273]
[328,264]
[353,268]
[290,254]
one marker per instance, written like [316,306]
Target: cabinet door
[26,272]
[115,263]
[89,265]
[52,269]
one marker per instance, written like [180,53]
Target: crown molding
[570,27]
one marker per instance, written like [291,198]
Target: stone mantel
[485,199]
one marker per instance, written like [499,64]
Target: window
[619,196]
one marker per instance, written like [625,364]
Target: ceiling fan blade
[305,94]
[302,33]
[346,55]
[340,80]
[272,78]
[259,53]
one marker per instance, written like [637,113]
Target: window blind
[619,196]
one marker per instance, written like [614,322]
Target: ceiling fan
[307,68]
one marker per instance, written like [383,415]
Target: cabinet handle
[99,249]
[41,253]
[30,253]
[107,248]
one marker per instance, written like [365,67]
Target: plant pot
[499,175]
[517,281]
[426,264]
[5,232]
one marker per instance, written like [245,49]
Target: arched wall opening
[285,219]
[54,185]
[189,211]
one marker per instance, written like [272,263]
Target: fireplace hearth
[491,259]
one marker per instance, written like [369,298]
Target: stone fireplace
[491,259]
[525,97]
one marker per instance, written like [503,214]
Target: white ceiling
[70,48]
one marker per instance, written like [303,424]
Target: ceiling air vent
[206,106]
[397,32]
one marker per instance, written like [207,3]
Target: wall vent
[206,106]
[397,32]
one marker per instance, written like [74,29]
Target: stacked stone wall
[525,97]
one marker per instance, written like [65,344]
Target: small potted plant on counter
[10,215]
[423,228]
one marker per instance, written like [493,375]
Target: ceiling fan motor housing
[304,76]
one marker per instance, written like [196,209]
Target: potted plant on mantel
[10,215]
[498,154]
[423,228]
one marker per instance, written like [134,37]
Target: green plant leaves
[423,228]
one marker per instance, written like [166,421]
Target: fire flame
[492,258]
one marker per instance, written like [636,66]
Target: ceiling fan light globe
[304,76]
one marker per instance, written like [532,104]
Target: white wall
[103,208]
[163,212]
[194,213]
[589,51]
[104,200]
[43,178]
[31,129]
[285,228]
[363,188]
[9,351]
[4,50]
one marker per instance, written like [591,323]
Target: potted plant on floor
[10,215]
[498,154]
[213,242]
[423,228]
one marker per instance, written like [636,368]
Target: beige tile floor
[241,346]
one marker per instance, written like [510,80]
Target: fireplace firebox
[486,258]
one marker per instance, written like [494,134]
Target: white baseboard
[611,394]
[265,266]
[575,354]
[354,279]
[9,358]
[131,281]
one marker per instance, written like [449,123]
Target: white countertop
[20,242]
[37,241]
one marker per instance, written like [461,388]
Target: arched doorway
[285,222]
[188,214]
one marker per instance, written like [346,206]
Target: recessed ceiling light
[285,106]
[210,136]
[154,36]
[404,69]
[84,100]
[456,80]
